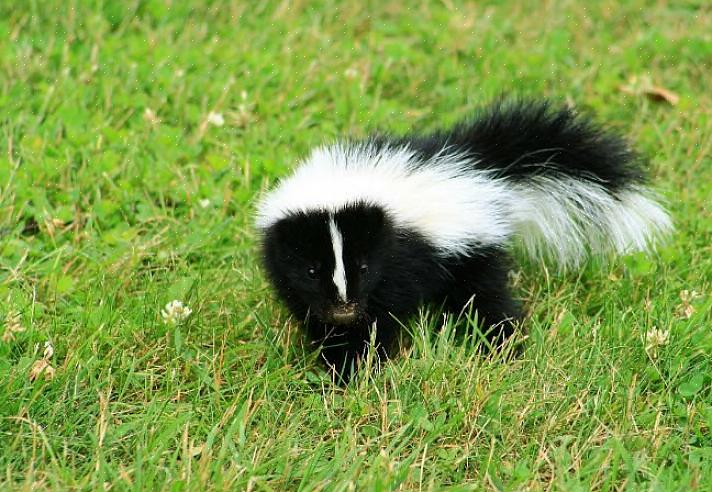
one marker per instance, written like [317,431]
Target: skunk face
[327,264]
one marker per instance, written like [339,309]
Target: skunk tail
[566,218]
[572,186]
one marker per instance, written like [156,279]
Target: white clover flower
[243,116]
[654,339]
[689,295]
[204,203]
[216,119]
[175,312]
[151,117]
[686,310]
[48,350]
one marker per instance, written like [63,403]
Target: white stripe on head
[337,241]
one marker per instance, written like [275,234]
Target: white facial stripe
[337,242]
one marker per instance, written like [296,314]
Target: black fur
[519,140]
[403,273]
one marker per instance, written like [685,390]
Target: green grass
[117,196]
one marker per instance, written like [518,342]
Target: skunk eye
[312,272]
[363,269]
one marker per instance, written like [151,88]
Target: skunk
[365,232]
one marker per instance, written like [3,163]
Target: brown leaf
[657,93]
[644,86]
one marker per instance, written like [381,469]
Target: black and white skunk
[365,232]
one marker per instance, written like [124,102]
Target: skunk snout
[343,314]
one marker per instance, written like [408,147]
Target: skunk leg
[481,281]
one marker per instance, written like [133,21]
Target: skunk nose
[343,314]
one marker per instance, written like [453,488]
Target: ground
[135,137]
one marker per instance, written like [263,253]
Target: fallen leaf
[658,93]
[644,86]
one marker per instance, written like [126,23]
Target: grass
[119,193]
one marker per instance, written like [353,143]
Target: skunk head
[328,263]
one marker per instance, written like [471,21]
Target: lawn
[134,139]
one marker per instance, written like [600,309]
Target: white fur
[337,242]
[452,206]
[565,218]
[457,208]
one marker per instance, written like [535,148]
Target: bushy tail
[575,187]
[566,218]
